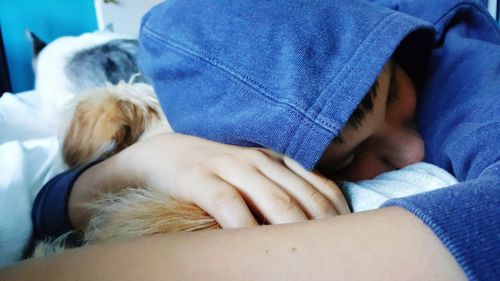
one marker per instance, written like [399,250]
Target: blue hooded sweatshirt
[287,74]
[284,75]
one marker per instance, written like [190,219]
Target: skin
[386,140]
[386,244]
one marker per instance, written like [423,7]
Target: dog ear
[132,124]
[102,125]
[37,44]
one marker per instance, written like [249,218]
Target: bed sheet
[29,157]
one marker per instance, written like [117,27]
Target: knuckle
[191,176]
[315,196]
[255,154]
[282,202]
[325,181]
[198,169]
[322,205]
[336,194]
[225,159]
[224,197]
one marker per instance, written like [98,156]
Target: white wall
[492,7]
[124,16]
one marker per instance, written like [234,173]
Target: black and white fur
[72,65]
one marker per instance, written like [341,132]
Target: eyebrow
[359,114]
[366,105]
[338,165]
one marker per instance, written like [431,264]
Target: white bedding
[29,157]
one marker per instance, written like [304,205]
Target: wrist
[110,175]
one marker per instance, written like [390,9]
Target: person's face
[385,141]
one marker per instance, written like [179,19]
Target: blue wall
[48,19]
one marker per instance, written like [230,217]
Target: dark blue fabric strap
[50,209]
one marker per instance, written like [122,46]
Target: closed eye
[346,162]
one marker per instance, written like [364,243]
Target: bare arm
[386,244]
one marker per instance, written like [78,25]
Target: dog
[82,79]
[105,121]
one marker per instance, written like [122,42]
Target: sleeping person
[105,114]
[102,114]
[289,76]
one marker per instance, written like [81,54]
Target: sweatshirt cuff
[50,209]
[465,218]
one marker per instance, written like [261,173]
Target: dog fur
[105,121]
[80,84]
[71,65]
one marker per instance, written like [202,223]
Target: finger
[219,199]
[312,201]
[270,200]
[327,187]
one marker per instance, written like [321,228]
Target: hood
[283,74]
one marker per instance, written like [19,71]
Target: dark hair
[360,112]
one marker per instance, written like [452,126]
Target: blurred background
[50,19]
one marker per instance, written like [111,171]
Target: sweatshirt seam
[249,83]
[492,165]
[382,25]
[484,129]
[473,5]
[317,115]
[369,38]
[354,57]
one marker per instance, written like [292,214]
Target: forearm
[387,244]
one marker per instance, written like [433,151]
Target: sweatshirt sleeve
[459,119]
[465,217]
[50,209]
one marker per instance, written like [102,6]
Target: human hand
[231,182]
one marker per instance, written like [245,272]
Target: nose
[401,146]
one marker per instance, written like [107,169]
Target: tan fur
[133,212]
[107,120]
[140,212]
[104,122]
[48,247]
